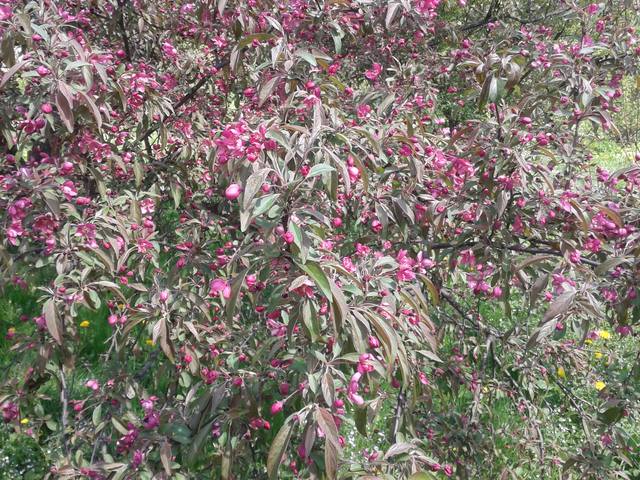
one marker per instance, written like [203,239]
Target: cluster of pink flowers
[237,141]
[17,212]
[125,442]
[364,366]
[408,267]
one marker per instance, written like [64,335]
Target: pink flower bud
[92,384]
[276,407]
[354,173]
[66,168]
[42,71]
[337,222]
[46,108]
[233,191]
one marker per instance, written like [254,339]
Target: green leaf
[300,239]
[340,308]
[608,264]
[252,186]
[307,56]
[236,286]
[332,445]
[165,457]
[264,203]
[317,274]
[261,37]
[279,447]
[559,306]
[392,10]
[178,432]
[52,321]
[319,169]
[95,299]
[267,89]
[65,111]
[9,73]
[398,449]
[422,476]
[612,415]
[96,416]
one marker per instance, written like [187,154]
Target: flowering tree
[298,220]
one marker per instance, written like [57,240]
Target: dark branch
[123,29]
[187,97]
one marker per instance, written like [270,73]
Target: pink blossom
[363,111]
[92,384]
[5,12]
[144,245]
[288,237]
[276,407]
[374,72]
[219,286]
[233,191]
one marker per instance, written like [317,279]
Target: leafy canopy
[257,232]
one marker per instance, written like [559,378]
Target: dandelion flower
[604,334]
[24,421]
[84,323]
[600,385]
[561,373]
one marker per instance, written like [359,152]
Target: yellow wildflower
[149,342]
[24,421]
[598,355]
[588,341]
[84,323]
[600,385]
[604,334]
[561,373]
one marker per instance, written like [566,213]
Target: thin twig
[188,96]
[64,399]
[123,29]
[398,413]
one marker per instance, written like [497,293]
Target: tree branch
[548,251]
[398,413]
[188,96]
[123,29]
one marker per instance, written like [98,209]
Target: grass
[610,155]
